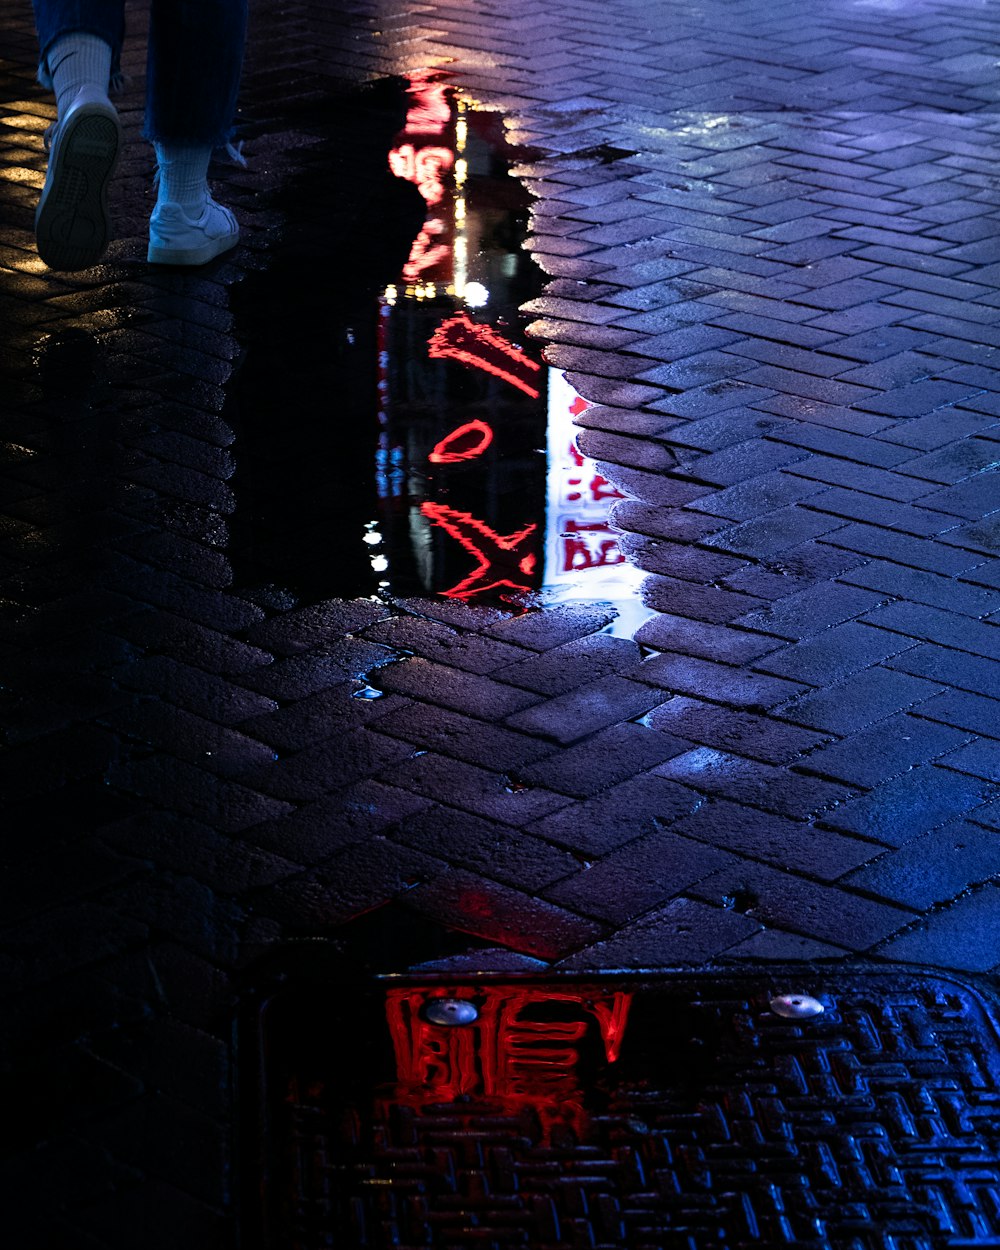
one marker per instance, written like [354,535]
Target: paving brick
[776,532]
[450,733]
[773,945]
[79,872]
[724,643]
[983,536]
[968,499]
[754,736]
[64,939]
[190,737]
[833,654]
[836,442]
[362,876]
[320,716]
[194,644]
[965,711]
[639,806]
[478,790]
[678,559]
[951,668]
[923,798]
[965,935]
[714,397]
[758,496]
[684,932]
[736,687]
[735,464]
[435,641]
[880,343]
[922,587]
[980,758]
[196,691]
[792,845]
[873,755]
[489,849]
[917,399]
[637,877]
[540,631]
[318,770]
[436,683]
[840,295]
[603,760]
[847,478]
[573,664]
[811,611]
[933,868]
[307,628]
[465,902]
[316,831]
[677,524]
[869,540]
[937,625]
[748,781]
[594,706]
[848,706]
[180,786]
[349,660]
[824,911]
[956,461]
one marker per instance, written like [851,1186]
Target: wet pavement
[568,521]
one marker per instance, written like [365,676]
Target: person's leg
[56,20]
[80,43]
[194,63]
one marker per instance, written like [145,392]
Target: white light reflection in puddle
[583,559]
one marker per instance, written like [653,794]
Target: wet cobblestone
[773,272]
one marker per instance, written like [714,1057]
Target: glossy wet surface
[397,435]
[821,1109]
[769,239]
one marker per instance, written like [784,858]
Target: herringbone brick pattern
[771,242]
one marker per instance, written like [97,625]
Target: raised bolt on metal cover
[450,1011]
[796,1006]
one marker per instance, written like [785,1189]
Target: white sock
[183,176]
[78,60]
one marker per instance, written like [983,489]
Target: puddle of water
[399,436]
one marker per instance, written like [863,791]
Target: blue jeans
[193,63]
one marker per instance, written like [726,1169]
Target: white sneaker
[72,223]
[177,239]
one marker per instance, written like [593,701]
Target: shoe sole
[200,255]
[72,224]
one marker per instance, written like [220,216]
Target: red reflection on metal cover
[506,1056]
[495,553]
[463,443]
[480,346]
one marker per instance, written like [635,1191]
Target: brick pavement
[771,243]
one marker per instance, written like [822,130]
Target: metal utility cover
[649,1112]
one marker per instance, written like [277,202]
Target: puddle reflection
[476,490]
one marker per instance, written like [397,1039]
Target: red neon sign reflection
[512,1054]
[421,156]
[480,346]
[494,553]
[463,443]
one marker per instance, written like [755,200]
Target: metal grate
[648,1114]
